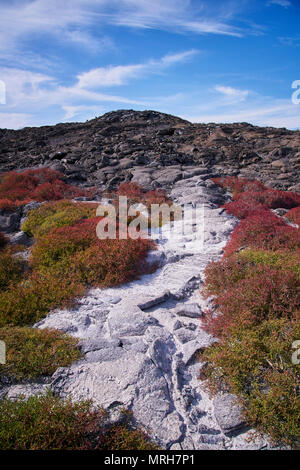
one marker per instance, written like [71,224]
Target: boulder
[228,413]
[20,238]
[189,310]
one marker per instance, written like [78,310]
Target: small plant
[261,293]
[56,214]
[263,230]
[132,190]
[50,423]
[31,299]
[11,270]
[255,363]
[136,194]
[64,262]
[31,352]
[238,185]
[256,295]
[47,423]
[122,437]
[19,188]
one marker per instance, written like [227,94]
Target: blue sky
[205,61]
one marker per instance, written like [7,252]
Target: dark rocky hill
[154,149]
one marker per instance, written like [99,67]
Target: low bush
[263,230]
[282,259]
[255,363]
[132,191]
[19,188]
[31,299]
[121,437]
[242,209]
[256,297]
[47,423]
[66,261]
[50,423]
[252,196]
[56,214]
[11,270]
[251,296]
[238,185]
[247,203]
[31,352]
[76,249]
[136,194]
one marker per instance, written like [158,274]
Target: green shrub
[30,300]
[123,438]
[77,250]
[47,423]
[50,423]
[10,270]
[64,263]
[31,352]
[284,260]
[56,214]
[256,364]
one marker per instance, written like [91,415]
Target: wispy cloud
[233,94]
[120,74]
[20,19]
[39,92]
[251,107]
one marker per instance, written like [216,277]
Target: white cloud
[72,21]
[255,109]
[108,76]
[41,92]
[121,74]
[212,27]
[73,111]
[233,94]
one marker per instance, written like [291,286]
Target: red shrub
[294,215]
[263,230]
[136,194]
[42,184]
[265,293]
[132,190]
[271,198]
[238,185]
[157,196]
[55,190]
[77,251]
[242,209]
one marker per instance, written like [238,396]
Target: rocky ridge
[155,150]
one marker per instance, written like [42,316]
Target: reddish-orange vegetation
[136,194]
[19,188]
[256,295]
